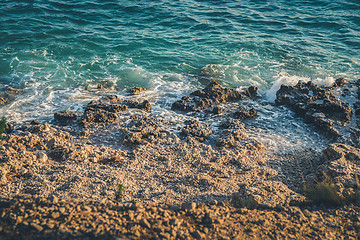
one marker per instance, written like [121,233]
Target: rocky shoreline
[180,173]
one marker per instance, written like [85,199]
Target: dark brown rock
[211,95]
[243,113]
[65,116]
[316,104]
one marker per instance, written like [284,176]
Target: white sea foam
[291,80]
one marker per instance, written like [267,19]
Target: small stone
[19,219]
[55,215]
[62,210]
[87,209]
[36,226]
[50,225]
[42,157]
[145,223]
[54,199]
[137,233]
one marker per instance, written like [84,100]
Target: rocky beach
[117,171]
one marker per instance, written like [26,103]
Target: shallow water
[54,50]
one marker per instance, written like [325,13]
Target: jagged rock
[212,95]
[106,109]
[65,116]
[9,127]
[141,129]
[7,94]
[233,132]
[340,82]
[137,90]
[243,113]
[316,104]
[197,130]
[98,115]
[145,105]
[342,163]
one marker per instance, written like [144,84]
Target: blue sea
[58,51]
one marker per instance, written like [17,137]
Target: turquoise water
[55,50]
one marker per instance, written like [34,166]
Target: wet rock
[65,116]
[8,94]
[357,108]
[340,82]
[98,116]
[137,90]
[106,109]
[211,95]
[197,130]
[217,110]
[35,122]
[9,128]
[317,105]
[145,105]
[243,113]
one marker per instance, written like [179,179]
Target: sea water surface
[58,51]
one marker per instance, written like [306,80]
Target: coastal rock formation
[233,131]
[65,116]
[318,105]
[140,129]
[243,113]
[197,130]
[137,90]
[210,96]
[342,164]
[8,94]
[106,109]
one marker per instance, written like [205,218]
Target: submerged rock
[65,116]
[7,94]
[137,90]
[212,95]
[318,105]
